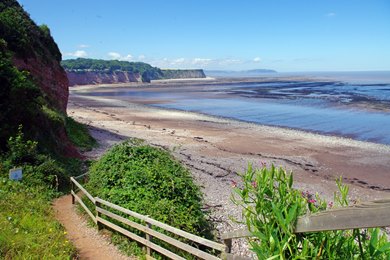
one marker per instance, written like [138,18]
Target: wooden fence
[364,215]
[105,208]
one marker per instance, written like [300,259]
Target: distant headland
[93,71]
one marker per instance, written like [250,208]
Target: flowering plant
[271,207]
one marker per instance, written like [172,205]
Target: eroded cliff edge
[34,86]
[83,71]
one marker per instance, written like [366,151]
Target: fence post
[148,238]
[72,189]
[228,244]
[99,225]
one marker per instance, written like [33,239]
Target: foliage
[149,181]
[271,207]
[23,103]
[23,36]
[81,64]
[78,134]
[178,74]
[28,229]
[38,169]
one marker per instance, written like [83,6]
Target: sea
[347,104]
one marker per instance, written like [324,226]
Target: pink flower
[254,184]
[312,201]
[330,204]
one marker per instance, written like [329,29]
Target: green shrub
[149,181]
[271,207]
[78,134]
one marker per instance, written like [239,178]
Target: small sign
[16,174]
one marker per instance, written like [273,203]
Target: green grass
[79,135]
[28,228]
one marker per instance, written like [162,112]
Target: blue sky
[327,35]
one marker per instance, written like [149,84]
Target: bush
[271,207]
[149,181]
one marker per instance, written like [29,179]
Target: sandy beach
[216,150]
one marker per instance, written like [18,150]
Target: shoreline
[330,141]
[216,150]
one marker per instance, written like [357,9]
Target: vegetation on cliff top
[148,72]
[81,65]
[23,37]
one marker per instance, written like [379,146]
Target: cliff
[93,71]
[34,85]
[102,77]
[183,74]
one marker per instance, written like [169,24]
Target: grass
[79,135]
[28,228]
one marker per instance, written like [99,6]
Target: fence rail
[102,208]
[364,215]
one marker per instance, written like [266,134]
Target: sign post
[16,174]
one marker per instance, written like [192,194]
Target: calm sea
[348,104]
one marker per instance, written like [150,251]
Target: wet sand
[216,150]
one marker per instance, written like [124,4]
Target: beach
[216,150]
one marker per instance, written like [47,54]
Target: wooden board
[84,206]
[197,239]
[140,239]
[83,190]
[365,215]
[156,234]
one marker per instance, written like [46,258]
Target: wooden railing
[104,215]
[365,215]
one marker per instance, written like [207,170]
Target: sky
[284,35]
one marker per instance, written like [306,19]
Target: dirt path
[89,242]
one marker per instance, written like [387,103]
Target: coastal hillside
[34,91]
[182,74]
[83,71]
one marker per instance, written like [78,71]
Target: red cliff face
[50,76]
[96,77]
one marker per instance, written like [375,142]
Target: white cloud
[114,55]
[178,61]
[117,56]
[83,46]
[201,61]
[77,54]
[331,14]
[128,57]
[141,57]
[226,62]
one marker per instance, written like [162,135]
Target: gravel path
[90,243]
